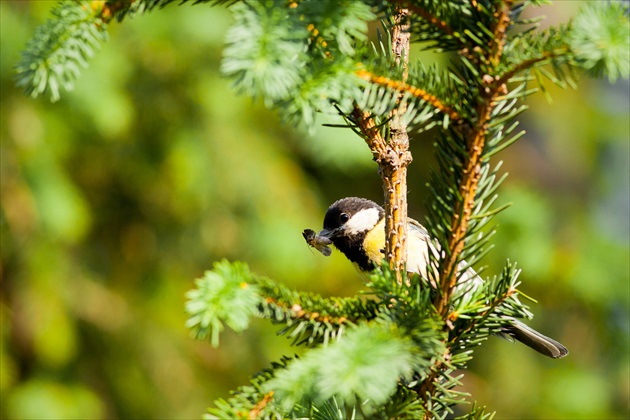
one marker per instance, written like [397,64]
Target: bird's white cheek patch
[362,221]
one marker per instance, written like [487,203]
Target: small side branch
[500,31]
[259,408]
[412,90]
[105,10]
[417,10]
[371,134]
[296,312]
[527,64]
[463,209]
[426,389]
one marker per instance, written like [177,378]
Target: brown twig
[371,133]
[393,157]
[410,89]
[500,31]
[546,55]
[417,10]
[463,209]
[476,135]
[427,387]
[257,409]
[299,313]
[476,138]
[106,10]
[395,176]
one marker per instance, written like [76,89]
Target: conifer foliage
[392,353]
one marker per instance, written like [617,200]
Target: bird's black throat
[352,248]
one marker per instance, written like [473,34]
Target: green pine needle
[222,295]
[600,39]
[60,49]
[365,365]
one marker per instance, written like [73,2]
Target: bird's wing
[419,244]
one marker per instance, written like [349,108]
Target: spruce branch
[370,131]
[485,312]
[121,9]
[600,39]
[411,90]
[251,401]
[462,212]
[395,176]
[499,35]
[392,161]
[231,294]
[366,366]
[106,10]
[524,65]
[222,295]
[475,138]
[61,47]
[311,319]
[425,14]
[472,322]
[433,21]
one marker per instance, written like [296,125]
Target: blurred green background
[117,197]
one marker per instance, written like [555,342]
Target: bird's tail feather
[535,340]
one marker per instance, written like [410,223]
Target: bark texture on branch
[393,169]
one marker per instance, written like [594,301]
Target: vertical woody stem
[476,134]
[393,169]
[476,140]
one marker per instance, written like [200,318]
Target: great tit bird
[356,227]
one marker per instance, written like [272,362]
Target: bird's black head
[346,224]
[352,215]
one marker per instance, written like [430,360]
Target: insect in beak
[319,241]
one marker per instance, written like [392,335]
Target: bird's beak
[327,234]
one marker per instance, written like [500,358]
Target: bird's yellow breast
[374,243]
[417,248]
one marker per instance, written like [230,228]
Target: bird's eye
[344,217]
